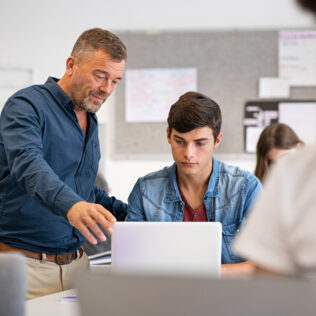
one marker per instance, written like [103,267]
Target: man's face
[193,151]
[93,79]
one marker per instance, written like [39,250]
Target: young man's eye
[200,144]
[179,142]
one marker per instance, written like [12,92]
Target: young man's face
[93,79]
[193,151]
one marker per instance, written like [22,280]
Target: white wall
[40,34]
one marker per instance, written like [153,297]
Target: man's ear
[70,63]
[218,139]
[168,135]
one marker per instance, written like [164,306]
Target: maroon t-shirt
[191,215]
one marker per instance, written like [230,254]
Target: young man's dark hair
[95,39]
[194,110]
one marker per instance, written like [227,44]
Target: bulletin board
[300,115]
[229,65]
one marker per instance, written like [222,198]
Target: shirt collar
[173,193]
[58,93]
[212,187]
[61,97]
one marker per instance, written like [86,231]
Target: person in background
[280,236]
[197,187]
[275,141]
[49,157]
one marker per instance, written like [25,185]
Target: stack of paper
[101,258]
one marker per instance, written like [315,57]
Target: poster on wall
[299,115]
[297,57]
[151,92]
[258,115]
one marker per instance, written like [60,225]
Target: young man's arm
[135,209]
[246,268]
[116,207]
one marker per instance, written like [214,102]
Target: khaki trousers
[44,278]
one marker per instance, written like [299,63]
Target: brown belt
[60,259]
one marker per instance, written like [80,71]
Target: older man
[49,155]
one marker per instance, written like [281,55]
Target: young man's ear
[168,135]
[218,139]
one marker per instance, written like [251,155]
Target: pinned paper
[301,116]
[252,136]
[297,57]
[151,92]
[270,87]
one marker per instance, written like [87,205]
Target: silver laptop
[123,295]
[167,248]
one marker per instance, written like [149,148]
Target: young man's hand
[85,216]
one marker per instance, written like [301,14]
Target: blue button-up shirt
[47,164]
[228,198]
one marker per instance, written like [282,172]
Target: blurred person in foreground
[280,236]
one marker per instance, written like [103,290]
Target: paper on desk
[270,87]
[101,258]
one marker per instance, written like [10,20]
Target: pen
[71,298]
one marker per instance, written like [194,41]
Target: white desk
[101,268]
[51,305]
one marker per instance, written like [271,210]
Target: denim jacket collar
[173,193]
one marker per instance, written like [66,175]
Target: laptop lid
[167,248]
[124,295]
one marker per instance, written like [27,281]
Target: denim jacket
[228,198]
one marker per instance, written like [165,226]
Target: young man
[49,156]
[197,187]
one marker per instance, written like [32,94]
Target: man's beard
[88,108]
[85,104]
